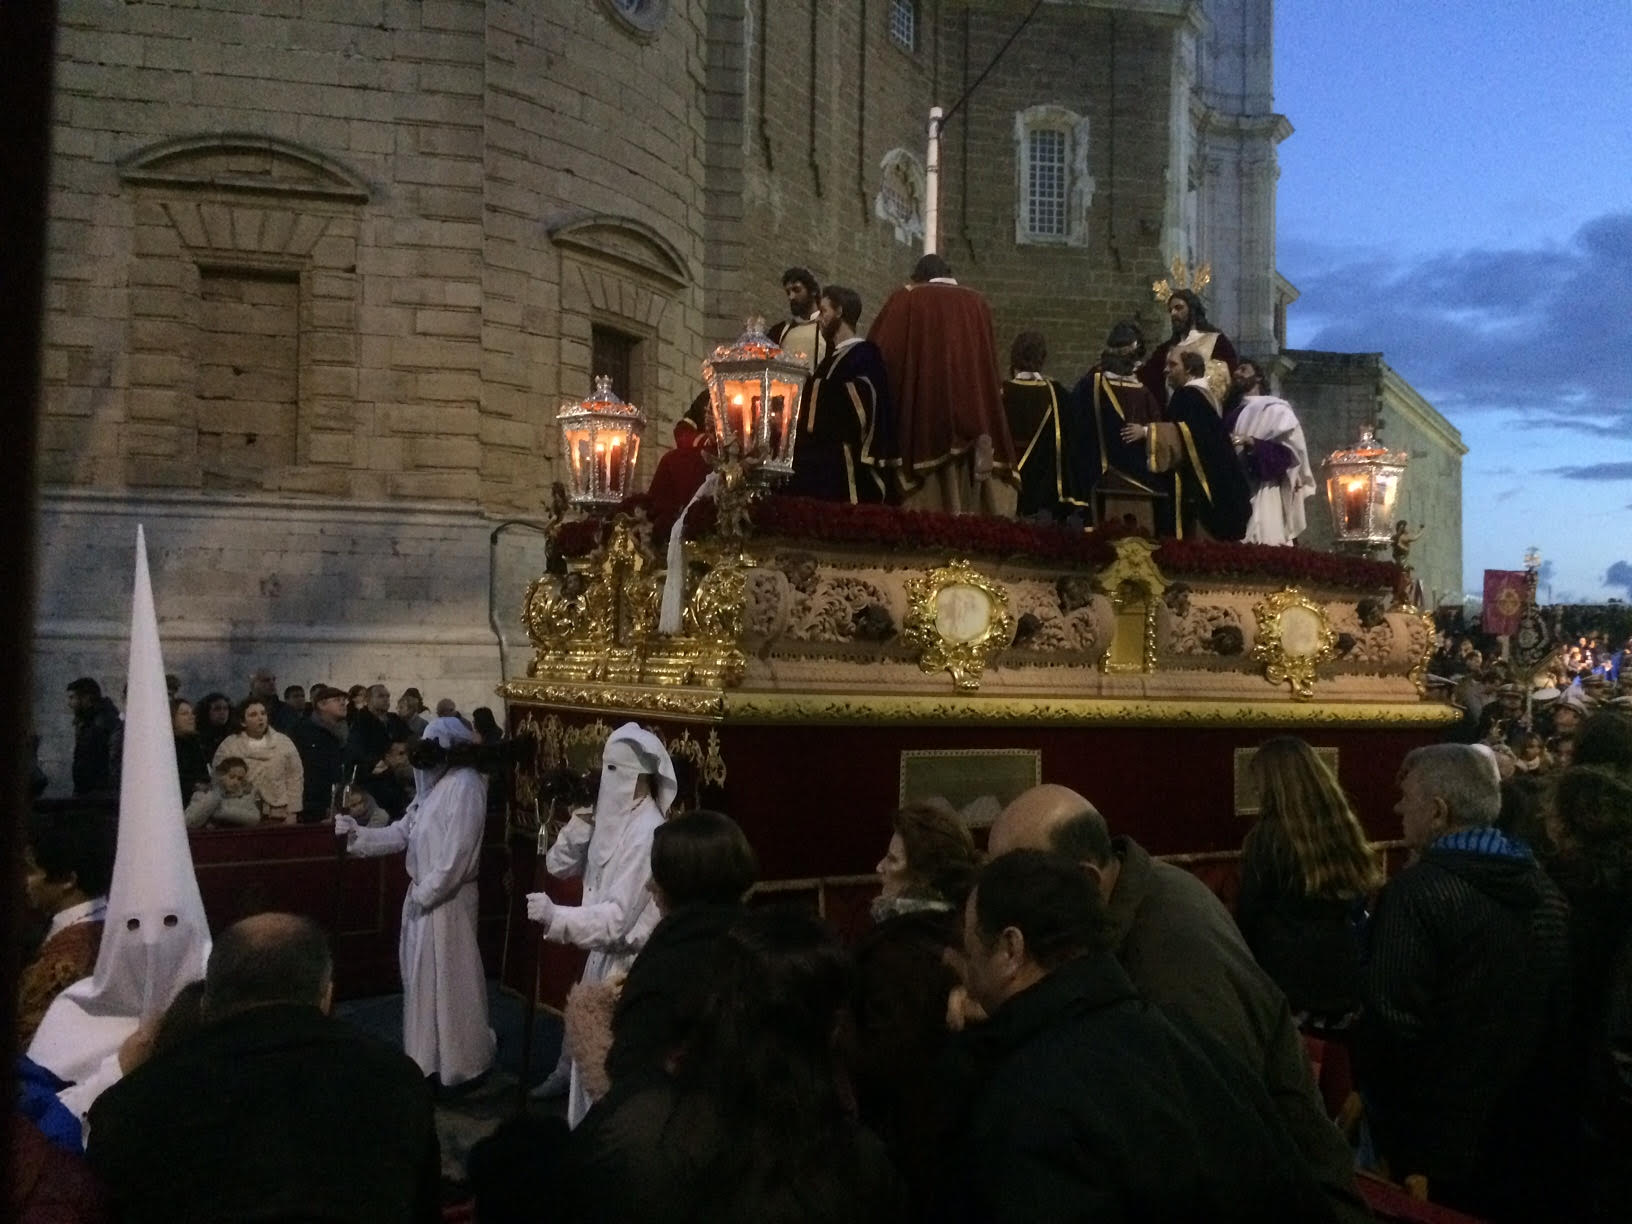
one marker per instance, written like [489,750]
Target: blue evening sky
[1458,195]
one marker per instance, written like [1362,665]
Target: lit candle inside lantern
[738,422]
[600,463]
[1354,505]
[752,423]
[614,467]
[779,423]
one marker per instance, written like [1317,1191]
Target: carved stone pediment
[243,162]
[623,240]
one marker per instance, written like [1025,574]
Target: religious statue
[1400,545]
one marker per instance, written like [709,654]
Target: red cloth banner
[1504,601]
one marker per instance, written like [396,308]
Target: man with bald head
[273,1110]
[1185,954]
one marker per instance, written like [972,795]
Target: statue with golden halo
[1181,296]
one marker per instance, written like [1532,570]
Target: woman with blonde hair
[1307,874]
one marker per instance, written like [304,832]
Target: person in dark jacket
[904,975]
[1092,1104]
[374,728]
[320,738]
[96,726]
[192,765]
[755,1124]
[702,865]
[1591,825]
[213,716]
[1307,873]
[1184,953]
[1466,998]
[273,1110]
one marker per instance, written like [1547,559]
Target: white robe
[444,1013]
[617,914]
[1277,509]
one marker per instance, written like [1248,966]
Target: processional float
[829,662]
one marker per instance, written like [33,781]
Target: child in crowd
[231,800]
[362,807]
[1531,754]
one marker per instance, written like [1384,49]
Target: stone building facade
[322,271]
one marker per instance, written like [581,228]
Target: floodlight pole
[932,183]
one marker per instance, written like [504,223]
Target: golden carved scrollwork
[598,623]
[1294,638]
[633,700]
[1135,587]
[868,709]
[704,755]
[883,710]
[1418,675]
[958,620]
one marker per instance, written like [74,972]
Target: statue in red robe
[952,435]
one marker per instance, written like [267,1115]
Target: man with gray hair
[1465,992]
[1184,954]
[273,1109]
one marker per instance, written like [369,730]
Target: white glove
[540,907]
[345,826]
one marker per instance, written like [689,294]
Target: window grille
[1046,183]
[904,23]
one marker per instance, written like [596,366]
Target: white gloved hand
[345,826]
[540,907]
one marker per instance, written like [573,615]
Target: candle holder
[600,440]
[753,396]
[1362,488]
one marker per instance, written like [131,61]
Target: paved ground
[465,1118]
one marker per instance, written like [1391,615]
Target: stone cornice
[157,504]
[1401,397]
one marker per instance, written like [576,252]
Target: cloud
[1520,331]
[1619,575]
[1594,471]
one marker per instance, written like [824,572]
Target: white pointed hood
[630,753]
[156,938]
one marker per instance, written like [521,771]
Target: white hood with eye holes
[155,939]
[631,753]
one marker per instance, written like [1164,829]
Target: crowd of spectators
[1055,1026]
[271,758]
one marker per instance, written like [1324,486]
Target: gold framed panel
[1294,638]
[958,620]
[978,782]
[1248,802]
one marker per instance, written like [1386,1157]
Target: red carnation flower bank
[895,530]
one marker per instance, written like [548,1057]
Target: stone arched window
[243,333]
[624,287]
[900,199]
[1053,188]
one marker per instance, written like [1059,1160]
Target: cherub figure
[1400,545]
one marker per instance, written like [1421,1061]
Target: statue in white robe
[1270,441]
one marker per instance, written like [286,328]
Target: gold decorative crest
[1135,587]
[1182,278]
[1294,637]
[959,621]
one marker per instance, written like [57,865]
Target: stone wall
[338,592]
[1334,394]
[396,175]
